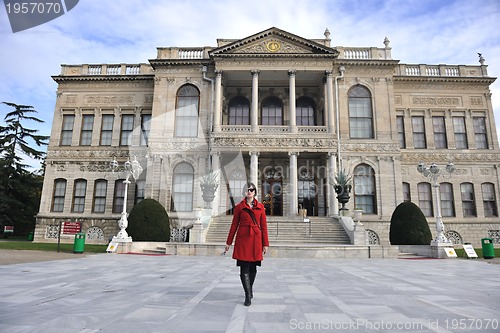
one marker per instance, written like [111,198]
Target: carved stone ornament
[274,46]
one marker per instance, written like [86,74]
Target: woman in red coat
[250,226]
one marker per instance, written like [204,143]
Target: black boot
[247,286]
[253,273]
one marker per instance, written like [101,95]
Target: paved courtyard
[140,293]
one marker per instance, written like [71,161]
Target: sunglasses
[251,190]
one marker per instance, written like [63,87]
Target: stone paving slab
[141,293]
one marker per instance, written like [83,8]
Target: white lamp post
[432,173]
[133,169]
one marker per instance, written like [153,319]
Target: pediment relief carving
[273,45]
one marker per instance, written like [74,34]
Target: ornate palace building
[284,112]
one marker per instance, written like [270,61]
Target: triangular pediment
[274,42]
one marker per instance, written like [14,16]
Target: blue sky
[110,31]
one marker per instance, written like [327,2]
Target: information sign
[71,228]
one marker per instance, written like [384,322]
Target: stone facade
[284,112]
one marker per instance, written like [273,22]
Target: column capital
[329,73]
[255,72]
[292,72]
[332,154]
[215,153]
[296,153]
[218,72]
[253,153]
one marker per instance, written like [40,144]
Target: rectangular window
[489,200]
[107,129]
[145,129]
[439,127]
[400,123]
[59,195]
[468,200]
[425,199]
[79,196]
[480,133]
[460,133]
[67,130]
[100,189]
[119,196]
[126,130]
[418,128]
[87,127]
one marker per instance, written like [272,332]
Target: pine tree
[20,188]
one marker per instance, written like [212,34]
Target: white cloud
[107,31]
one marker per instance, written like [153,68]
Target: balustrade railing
[441,70]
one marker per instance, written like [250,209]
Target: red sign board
[8,228]
[71,228]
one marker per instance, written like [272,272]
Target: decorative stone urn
[342,185]
[209,185]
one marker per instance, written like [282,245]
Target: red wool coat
[250,238]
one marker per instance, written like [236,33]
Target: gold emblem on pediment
[273,46]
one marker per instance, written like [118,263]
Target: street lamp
[133,169]
[432,173]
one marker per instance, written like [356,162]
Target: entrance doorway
[307,195]
[272,196]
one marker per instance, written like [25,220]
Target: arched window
[425,199]
[59,195]
[468,199]
[186,111]
[447,201]
[272,111]
[305,112]
[79,195]
[364,189]
[360,113]
[182,188]
[406,192]
[100,189]
[119,196]
[489,199]
[239,111]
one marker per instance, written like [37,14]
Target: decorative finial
[481,59]
[386,42]
[327,33]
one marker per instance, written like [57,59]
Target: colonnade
[254,111]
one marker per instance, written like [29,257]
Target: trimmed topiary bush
[148,221]
[409,226]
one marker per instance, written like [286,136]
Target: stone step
[288,230]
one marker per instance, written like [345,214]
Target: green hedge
[409,226]
[148,221]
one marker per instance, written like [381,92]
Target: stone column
[332,200]
[329,98]
[254,167]
[254,115]
[293,187]
[218,101]
[293,114]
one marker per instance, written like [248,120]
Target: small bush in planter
[148,221]
[409,226]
